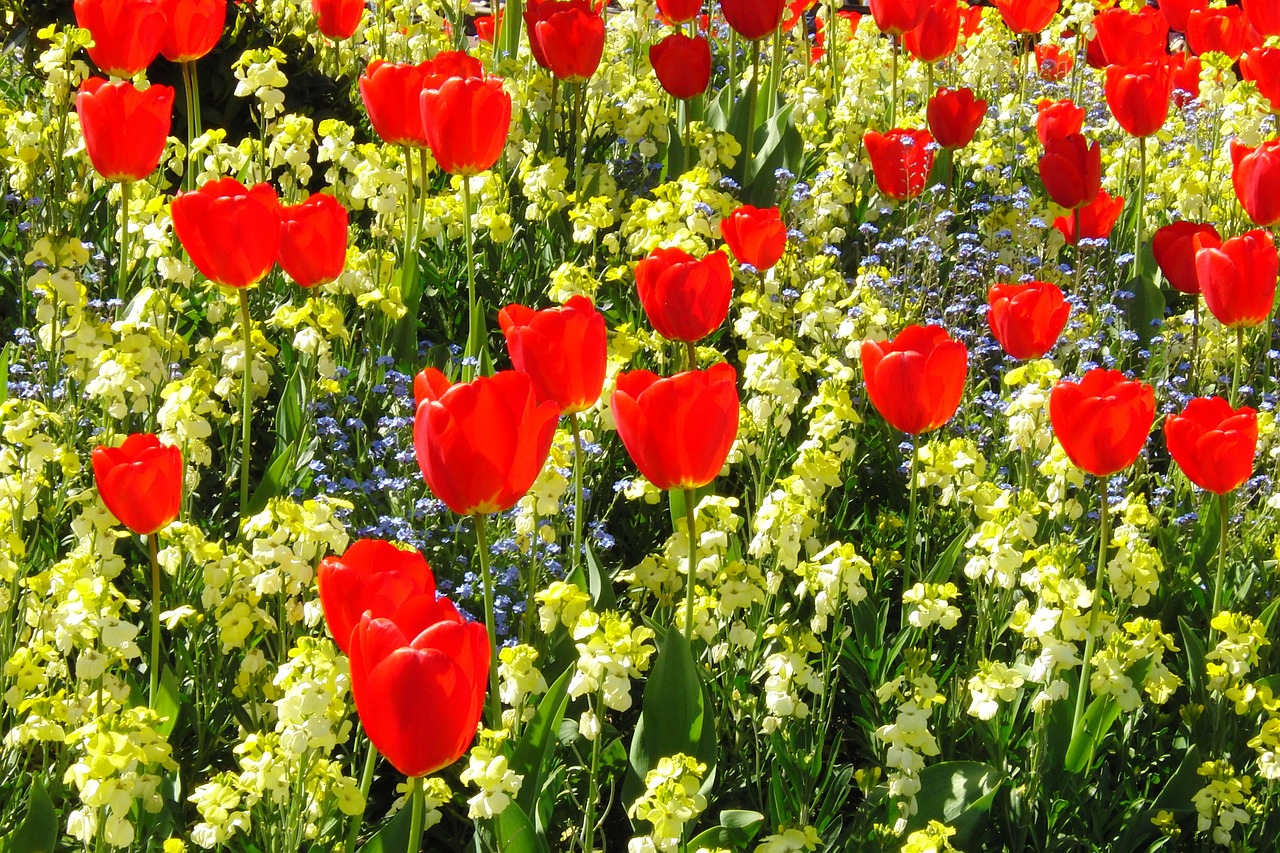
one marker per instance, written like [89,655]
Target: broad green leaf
[537,742]
[274,479]
[599,584]
[737,829]
[5,355]
[168,702]
[516,833]
[38,831]
[1193,645]
[957,793]
[1101,715]
[393,837]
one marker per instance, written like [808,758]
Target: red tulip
[1261,66]
[231,232]
[1027,318]
[755,236]
[1213,444]
[140,482]
[794,11]
[753,19]
[1052,62]
[970,21]
[1238,277]
[391,92]
[901,160]
[678,430]
[684,298]
[897,17]
[1176,11]
[1138,96]
[192,28]
[954,116]
[1128,37]
[481,444]
[1175,251]
[447,64]
[937,35]
[1102,421]
[1097,218]
[313,240]
[1186,78]
[1255,174]
[378,578]
[566,37]
[679,11]
[466,120]
[124,129]
[126,33]
[1058,118]
[1026,16]
[1071,169]
[1263,16]
[419,697]
[682,64]
[563,350]
[916,380]
[1216,31]
[337,19]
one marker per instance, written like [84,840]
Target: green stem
[410,209]
[893,75]
[1142,197]
[1222,556]
[579,142]
[153,664]
[578,509]
[1099,586]
[366,781]
[690,355]
[246,394]
[482,551]
[122,283]
[188,177]
[1235,374]
[417,805]
[1195,347]
[470,368]
[748,147]
[593,783]
[691,527]
[908,564]
[423,189]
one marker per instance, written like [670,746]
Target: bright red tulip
[1026,16]
[1261,66]
[753,19]
[1058,118]
[1216,31]
[795,10]
[937,35]
[231,232]
[1071,169]
[192,28]
[1053,63]
[124,129]
[140,482]
[566,37]
[486,25]
[901,160]
[1255,174]
[126,33]
[680,11]
[1175,251]
[970,21]
[377,577]
[563,350]
[684,298]
[682,64]
[337,19]
[419,697]
[447,64]
[1176,11]
[756,236]
[313,240]
[1238,277]
[1263,16]
[1103,420]
[897,17]
[954,116]
[466,120]
[1138,96]
[391,93]
[1213,444]
[1128,37]
[1186,78]
[678,430]
[1027,318]
[1097,218]
[916,380]
[481,444]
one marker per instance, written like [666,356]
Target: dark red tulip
[897,17]
[1138,96]
[755,236]
[566,37]
[391,93]
[678,430]
[231,233]
[1176,11]
[140,482]
[937,35]
[1071,169]
[1263,16]
[563,350]
[1213,443]
[684,298]
[1026,16]
[1255,174]
[126,33]
[916,380]
[466,120]
[313,240]
[1027,319]
[679,11]
[1175,251]
[954,116]
[124,129]
[1103,420]
[1261,66]
[337,19]
[901,160]
[1096,218]
[1238,277]
[192,28]
[1216,31]
[753,19]
[1128,37]
[486,25]
[1053,62]
[1057,118]
[682,64]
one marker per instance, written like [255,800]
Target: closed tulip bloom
[1097,218]
[140,482]
[954,116]
[485,26]
[1213,444]
[682,64]
[1176,11]
[1216,31]
[1261,66]
[390,92]
[1175,251]
[563,350]
[566,37]
[313,240]
[1071,169]
[1127,37]
[1026,16]
[1138,96]
[1263,16]
[937,35]
[466,120]
[684,298]
[1238,277]
[420,696]
[231,232]
[901,160]
[756,236]
[337,19]
[679,11]
[1053,63]
[753,19]
[1255,174]
[896,17]
[1057,118]
[192,28]
[1103,420]
[678,430]
[1027,319]
[916,380]
[481,444]
[1186,78]
[126,33]
[124,129]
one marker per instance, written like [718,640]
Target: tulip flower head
[140,482]
[466,121]
[1024,17]
[685,298]
[124,129]
[1102,421]
[1097,218]
[753,19]
[390,92]
[895,17]
[313,240]
[901,160]
[1053,62]
[756,236]
[679,11]
[1126,37]
[1255,174]
[337,19]
[1057,118]
[1261,66]
[954,116]
[935,38]
[563,350]
[566,37]
[126,33]
[1071,169]
[682,64]
[1216,30]
[1139,94]
[1262,15]
[1027,319]
[1213,443]
[231,232]
[916,380]
[1175,251]
[192,28]
[1176,11]
[1238,277]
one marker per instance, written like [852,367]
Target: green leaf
[393,837]
[959,794]
[274,478]
[38,831]
[737,829]
[5,355]
[1174,797]
[1097,722]
[1193,645]
[168,702]
[599,584]
[516,833]
[533,752]
[1146,305]
[289,412]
